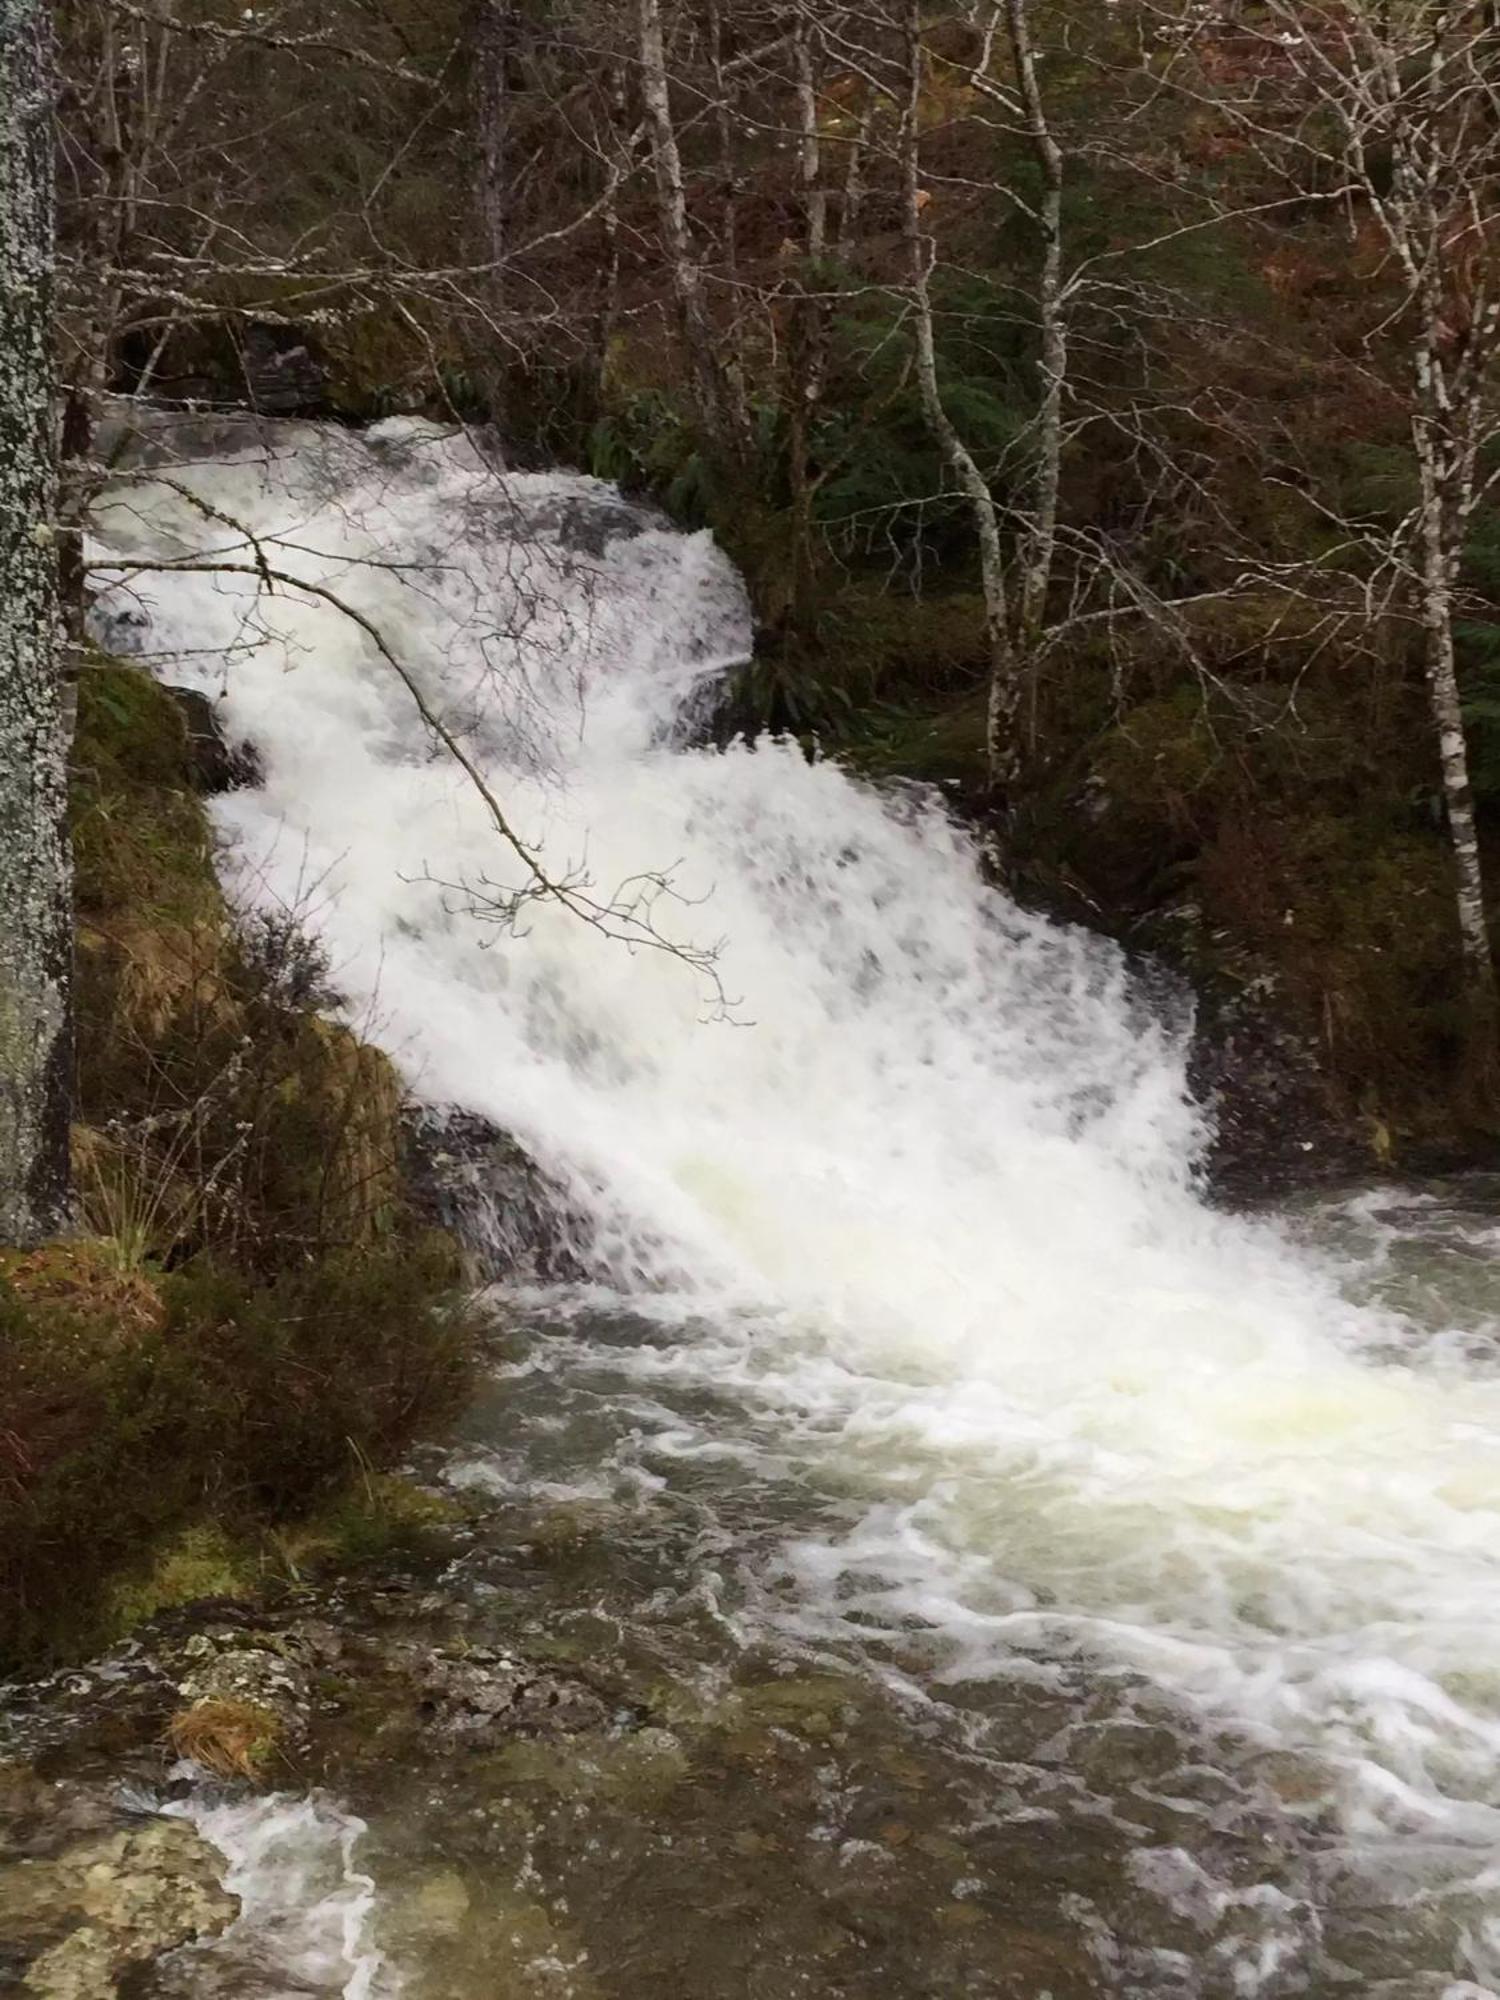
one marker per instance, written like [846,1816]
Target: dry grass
[231,1739]
[84,1277]
[256,1300]
[165,970]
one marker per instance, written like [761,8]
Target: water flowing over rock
[481,1184]
[886,1190]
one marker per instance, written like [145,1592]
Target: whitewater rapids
[909,1169]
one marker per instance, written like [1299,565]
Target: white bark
[1442,516]
[1002,747]
[1427,78]
[1458,797]
[672,214]
[35,886]
[1041,539]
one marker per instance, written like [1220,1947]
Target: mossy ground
[253,1318]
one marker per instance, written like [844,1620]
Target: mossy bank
[252,1315]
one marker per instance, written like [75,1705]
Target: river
[1030,1578]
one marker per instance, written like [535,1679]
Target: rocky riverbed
[676,1688]
[552,1750]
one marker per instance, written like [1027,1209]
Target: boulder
[216,764]
[82,1910]
[475,1180]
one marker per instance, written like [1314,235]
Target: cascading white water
[923,1187]
[304,1901]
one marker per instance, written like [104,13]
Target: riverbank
[253,1313]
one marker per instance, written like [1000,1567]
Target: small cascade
[305,1903]
[908,1170]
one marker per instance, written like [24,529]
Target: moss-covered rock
[79,1920]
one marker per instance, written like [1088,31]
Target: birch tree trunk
[732,373]
[495,27]
[807,343]
[1400,103]
[35,881]
[1002,708]
[672,211]
[1041,539]
[1441,553]
[1458,796]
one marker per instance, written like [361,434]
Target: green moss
[258,1319]
[141,838]
[880,673]
[199,1561]
[365,1517]
[1255,834]
[374,1515]
[940,743]
[1165,757]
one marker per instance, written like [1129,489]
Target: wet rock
[38,1816]
[440,1902]
[77,1919]
[215,763]
[266,366]
[281,374]
[1264,1084]
[263,1668]
[246,1699]
[479,1183]
[586,523]
[152,436]
[483,1695]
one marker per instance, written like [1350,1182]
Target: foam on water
[305,1903]
[925,1190]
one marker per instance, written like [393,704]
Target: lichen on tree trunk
[35,915]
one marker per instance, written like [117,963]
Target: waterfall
[910,1167]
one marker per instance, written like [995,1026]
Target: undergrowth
[254,1315]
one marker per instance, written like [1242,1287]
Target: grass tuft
[230,1739]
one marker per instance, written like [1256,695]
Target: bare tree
[1051,308]
[696,331]
[1399,107]
[494,34]
[1003,704]
[807,358]
[35,940]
